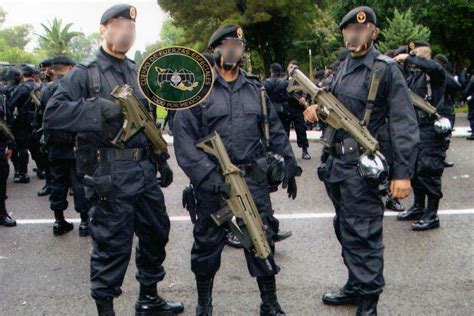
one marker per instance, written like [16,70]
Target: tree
[269,26]
[322,36]
[3,15]
[15,55]
[401,29]
[83,47]
[452,27]
[138,58]
[56,39]
[17,36]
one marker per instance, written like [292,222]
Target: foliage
[17,36]
[56,38]
[401,29]
[83,47]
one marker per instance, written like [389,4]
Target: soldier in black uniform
[13,77]
[62,161]
[427,79]
[447,110]
[296,106]
[276,87]
[20,104]
[121,184]
[234,110]
[468,95]
[359,208]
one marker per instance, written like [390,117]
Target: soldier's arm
[404,132]
[433,69]
[68,109]
[18,98]
[279,142]
[452,83]
[195,163]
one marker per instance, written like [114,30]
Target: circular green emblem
[175,77]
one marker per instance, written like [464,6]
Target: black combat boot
[204,289]
[416,211]
[430,219]
[105,307]
[282,235]
[367,305]
[394,205]
[344,296]
[448,164]
[269,305]
[305,154]
[232,240]
[41,174]
[46,190]
[22,178]
[149,303]
[61,226]
[6,220]
[84,225]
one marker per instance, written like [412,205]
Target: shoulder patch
[385,59]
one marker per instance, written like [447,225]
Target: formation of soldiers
[68,127]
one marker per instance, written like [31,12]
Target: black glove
[109,110]
[166,174]
[215,183]
[289,181]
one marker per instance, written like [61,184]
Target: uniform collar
[105,61]
[368,60]
[239,81]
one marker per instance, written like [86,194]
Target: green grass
[460,109]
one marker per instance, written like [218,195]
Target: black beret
[359,15]
[227,31]
[442,58]
[46,62]
[28,71]
[120,10]
[62,60]
[416,44]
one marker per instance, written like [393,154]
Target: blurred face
[290,67]
[229,53]
[423,52]
[358,37]
[118,35]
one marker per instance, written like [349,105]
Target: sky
[85,16]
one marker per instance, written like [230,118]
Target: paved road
[429,273]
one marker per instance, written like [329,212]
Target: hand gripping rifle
[137,119]
[442,125]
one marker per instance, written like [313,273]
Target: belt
[134,154]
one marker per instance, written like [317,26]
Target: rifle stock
[137,119]
[423,104]
[240,201]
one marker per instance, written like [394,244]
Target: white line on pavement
[279,216]
[461,131]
